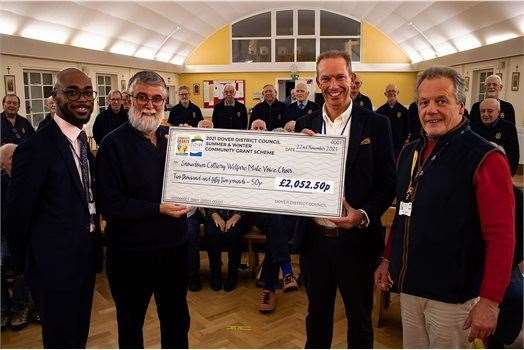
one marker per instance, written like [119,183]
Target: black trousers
[231,239]
[65,314]
[348,263]
[134,277]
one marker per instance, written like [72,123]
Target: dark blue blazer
[370,170]
[47,214]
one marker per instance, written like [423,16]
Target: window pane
[100,80]
[47,78]
[259,25]
[306,22]
[108,80]
[47,91]
[36,91]
[332,24]
[306,50]
[26,78]
[101,101]
[26,91]
[252,50]
[348,45]
[37,106]
[35,78]
[108,89]
[101,90]
[27,106]
[285,49]
[285,22]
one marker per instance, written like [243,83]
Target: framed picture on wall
[515,78]
[196,89]
[466,83]
[10,86]
[122,85]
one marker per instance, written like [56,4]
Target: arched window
[293,36]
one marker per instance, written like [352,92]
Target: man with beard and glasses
[185,113]
[147,243]
[52,218]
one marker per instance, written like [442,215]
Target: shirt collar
[342,118]
[68,129]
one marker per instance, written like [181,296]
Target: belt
[328,232]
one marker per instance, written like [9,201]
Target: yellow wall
[214,50]
[379,48]
[376,48]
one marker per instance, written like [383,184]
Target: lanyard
[324,131]
[421,170]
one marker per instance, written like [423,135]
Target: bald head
[259,125]
[6,157]
[301,92]
[493,86]
[391,93]
[489,111]
[74,96]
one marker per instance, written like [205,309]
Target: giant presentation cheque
[281,173]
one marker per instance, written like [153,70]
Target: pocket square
[366,141]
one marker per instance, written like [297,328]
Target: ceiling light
[467,42]
[123,48]
[145,52]
[90,41]
[497,38]
[45,32]
[445,48]
[9,25]
[163,56]
[178,60]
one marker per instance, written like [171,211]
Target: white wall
[506,66]
[17,65]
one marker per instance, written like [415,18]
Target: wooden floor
[221,320]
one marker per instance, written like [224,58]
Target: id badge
[405,208]
[92,208]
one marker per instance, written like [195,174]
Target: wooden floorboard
[221,320]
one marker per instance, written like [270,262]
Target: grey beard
[144,124]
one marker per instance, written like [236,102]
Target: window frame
[295,34]
[27,97]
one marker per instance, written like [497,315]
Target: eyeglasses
[73,95]
[156,100]
[115,99]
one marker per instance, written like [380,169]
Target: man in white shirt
[52,215]
[342,253]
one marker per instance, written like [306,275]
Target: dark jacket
[273,114]
[414,125]
[507,112]
[370,172]
[230,117]
[108,121]
[363,101]
[18,133]
[293,112]
[130,174]
[504,134]
[47,213]
[45,121]
[438,251]
[182,115]
[398,119]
